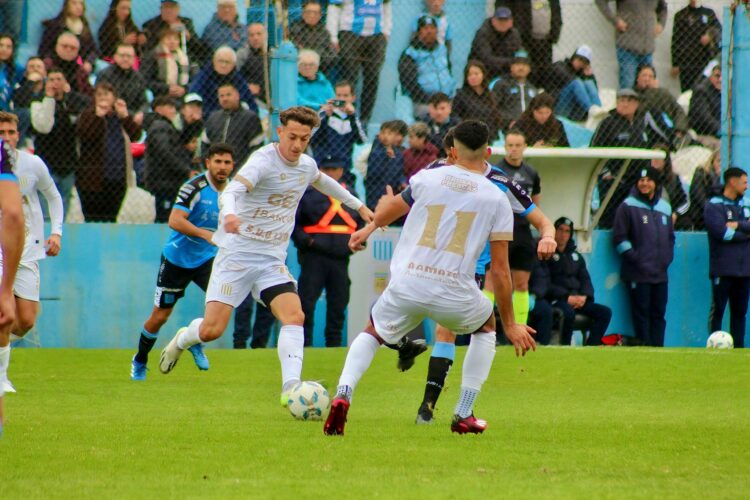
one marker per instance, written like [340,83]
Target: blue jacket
[644,237]
[424,71]
[218,33]
[314,93]
[207,82]
[728,249]
[382,171]
[337,136]
[569,275]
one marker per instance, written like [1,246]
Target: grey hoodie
[641,16]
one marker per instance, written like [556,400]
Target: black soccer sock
[436,374]
[145,344]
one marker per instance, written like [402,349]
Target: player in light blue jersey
[189,252]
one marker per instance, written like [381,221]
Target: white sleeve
[43,115]
[332,22]
[329,187]
[253,170]
[47,187]
[387,19]
[228,198]
[502,225]
[361,162]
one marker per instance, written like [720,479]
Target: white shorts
[26,285]
[396,314]
[237,274]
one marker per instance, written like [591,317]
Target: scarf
[173,67]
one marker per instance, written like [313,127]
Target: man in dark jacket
[167,161]
[129,84]
[696,39]
[67,58]
[728,226]
[514,93]
[540,310]
[495,43]
[705,107]
[169,17]
[643,235]
[251,60]
[571,290]
[440,119]
[321,234]
[310,33]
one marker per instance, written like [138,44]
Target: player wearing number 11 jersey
[454,211]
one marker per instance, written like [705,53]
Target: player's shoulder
[198,182]
[308,162]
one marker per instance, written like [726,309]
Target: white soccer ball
[720,340]
[308,401]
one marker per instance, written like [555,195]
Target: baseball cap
[564,221]
[521,56]
[629,93]
[330,161]
[425,21]
[503,13]
[584,52]
[193,98]
[170,1]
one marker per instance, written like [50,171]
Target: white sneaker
[7,386]
[171,353]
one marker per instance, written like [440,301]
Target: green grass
[570,423]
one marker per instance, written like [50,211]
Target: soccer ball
[308,401]
[720,340]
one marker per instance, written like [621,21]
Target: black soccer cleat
[409,349]
[424,415]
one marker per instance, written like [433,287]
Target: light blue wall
[739,112]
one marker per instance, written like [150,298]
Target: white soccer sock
[476,369]
[4,361]
[358,359]
[191,336]
[14,338]
[291,352]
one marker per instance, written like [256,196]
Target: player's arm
[391,207]
[178,220]
[329,187]
[547,244]
[11,242]
[49,191]
[237,187]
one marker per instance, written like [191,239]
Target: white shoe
[171,353]
[7,386]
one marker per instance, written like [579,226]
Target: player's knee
[210,331]
[521,286]
[24,323]
[442,334]
[160,316]
[296,318]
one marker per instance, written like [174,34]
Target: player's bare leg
[26,313]
[287,308]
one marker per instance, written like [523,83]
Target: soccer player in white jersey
[255,224]
[34,178]
[454,211]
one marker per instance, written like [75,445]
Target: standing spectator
[705,184]
[696,39]
[167,161]
[105,130]
[424,68]
[637,24]
[251,60]
[71,19]
[540,126]
[11,15]
[233,125]
[261,327]
[514,94]
[440,119]
[644,238]
[420,152]
[705,109]
[166,68]
[313,88]
[221,69]
[475,101]
[11,73]
[340,129]
[359,33]
[728,227]
[191,125]
[225,27]
[118,27]
[385,166]
[571,290]
[672,192]
[31,87]
[310,33]
[321,234]
[129,84]
[53,119]
[496,43]
[659,100]
[572,82]
[67,59]
[169,17]
[434,9]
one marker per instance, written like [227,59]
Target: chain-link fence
[99,114]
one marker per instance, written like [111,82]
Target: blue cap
[170,1]
[503,13]
[331,161]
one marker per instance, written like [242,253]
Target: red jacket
[415,160]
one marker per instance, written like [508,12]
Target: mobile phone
[338,103]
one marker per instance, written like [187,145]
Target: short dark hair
[57,69]
[227,84]
[6,117]
[124,44]
[438,98]
[448,139]
[220,148]
[163,100]
[516,131]
[397,126]
[344,83]
[300,114]
[473,134]
[733,172]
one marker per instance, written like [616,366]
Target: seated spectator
[573,84]
[313,88]
[71,19]
[310,33]
[540,310]
[540,126]
[696,39]
[221,69]
[385,166]
[440,119]
[571,290]
[53,119]
[514,94]
[658,100]
[424,68]
[166,68]
[118,27]
[233,125]
[11,73]
[251,60]
[129,84]
[167,161]
[420,152]
[672,190]
[705,109]
[340,129]
[434,9]
[105,129]
[495,43]
[475,101]
[169,17]
[191,126]
[225,28]
[705,184]
[67,59]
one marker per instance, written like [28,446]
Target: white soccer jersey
[455,212]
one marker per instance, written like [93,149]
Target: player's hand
[359,238]
[732,225]
[208,236]
[366,213]
[621,26]
[7,309]
[658,29]
[121,108]
[386,198]
[232,224]
[520,337]
[53,245]
[546,248]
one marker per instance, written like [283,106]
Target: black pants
[736,291]
[540,319]
[599,315]
[261,329]
[321,272]
[540,54]
[366,53]
[689,76]
[648,306]
[104,205]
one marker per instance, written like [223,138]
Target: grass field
[564,422]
